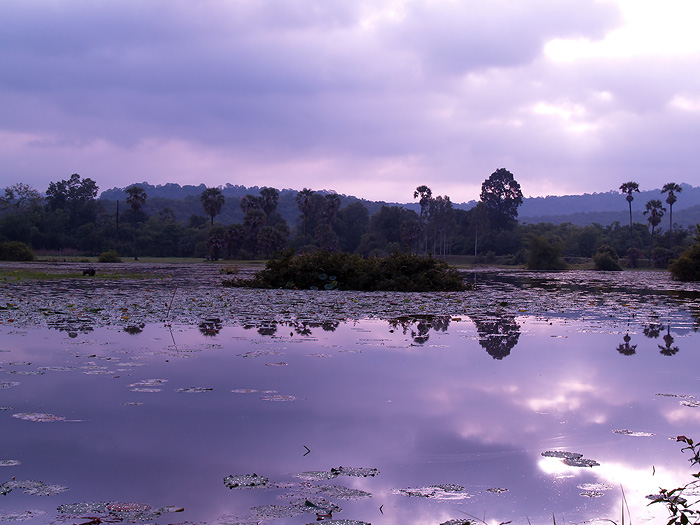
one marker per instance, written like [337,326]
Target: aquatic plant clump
[400,272]
[246,481]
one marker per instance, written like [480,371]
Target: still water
[440,419]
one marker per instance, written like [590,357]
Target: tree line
[69,218]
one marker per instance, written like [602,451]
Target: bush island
[321,270]
[606,259]
[110,256]
[15,251]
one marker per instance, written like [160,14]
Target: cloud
[368,98]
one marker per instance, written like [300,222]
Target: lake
[169,399]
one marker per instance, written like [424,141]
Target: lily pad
[22,515]
[438,492]
[195,390]
[38,417]
[33,488]
[338,492]
[632,433]
[246,481]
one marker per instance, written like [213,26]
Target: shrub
[109,256]
[544,254]
[401,272]
[15,251]
[606,259]
[634,255]
[687,266]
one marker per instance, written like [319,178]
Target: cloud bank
[367,98]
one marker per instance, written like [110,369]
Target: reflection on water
[385,422]
[498,334]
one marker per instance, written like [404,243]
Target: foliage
[342,271]
[687,266]
[15,251]
[629,188]
[501,195]
[681,509]
[212,201]
[110,256]
[606,259]
[544,254]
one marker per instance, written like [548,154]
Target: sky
[365,97]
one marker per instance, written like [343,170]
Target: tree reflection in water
[269,328]
[668,348]
[498,333]
[421,332]
[625,348]
[210,327]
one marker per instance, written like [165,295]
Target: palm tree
[269,197]
[136,197]
[212,202]
[629,188]
[654,210]
[671,188]
[304,203]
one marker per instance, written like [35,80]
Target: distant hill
[602,208]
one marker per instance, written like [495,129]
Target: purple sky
[370,98]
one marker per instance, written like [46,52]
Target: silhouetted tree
[426,195]
[304,202]
[671,188]
[136,197]
[629,188]
[212,201]
[501,195]
[654,211]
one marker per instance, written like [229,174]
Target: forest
[235,222]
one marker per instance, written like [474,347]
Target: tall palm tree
[136,197]
[304,203]
[671,188]
[655,211]
[212,201]
[629,188]
[269,197]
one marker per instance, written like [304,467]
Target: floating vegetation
[114,511]
[496,490]
[633,433]
[592,494]
[278,397]
[689,403]
[437,492]
[33,488]
[338,492]
[357,472]
[561,454]
[594,486]
[38,417]
[458,522]
[4,385]
[246,481]
[23,515]
[581,462]
[195,390]
[572,459]
[342,522]
[9,463]
[149,383]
